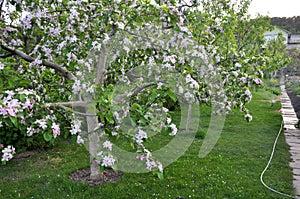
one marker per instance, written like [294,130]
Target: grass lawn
[231,170]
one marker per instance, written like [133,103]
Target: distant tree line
[291,24]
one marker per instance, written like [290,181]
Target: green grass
[231,170]
[272,85]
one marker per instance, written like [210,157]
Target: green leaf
[5,72]
[18,8]
[132,145]
[143,121]
[109,118]
[47,136]
[133,122]
[11,84]
[172,95]
[22,97]
[115,168]
[160,175]
[14,121]
[135,106]
[102,168]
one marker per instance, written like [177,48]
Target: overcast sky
[275,8]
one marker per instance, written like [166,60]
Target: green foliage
[294,67]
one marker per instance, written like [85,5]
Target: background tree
[291,24]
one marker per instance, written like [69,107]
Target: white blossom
[174,129]
[140,136]
[8,153]
[108,161]
[30,131]
[79,140]
[107,145]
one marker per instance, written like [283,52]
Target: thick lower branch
[5,56]
[64,72]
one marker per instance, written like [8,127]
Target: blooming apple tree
[115,66]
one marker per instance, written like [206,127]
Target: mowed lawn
[231,170]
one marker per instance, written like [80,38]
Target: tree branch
[70,104]
[141,88]
[1,8]
[101,68]
[135,92]
[5,56]
[109,72]
[64,72]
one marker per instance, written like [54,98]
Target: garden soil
[295,102]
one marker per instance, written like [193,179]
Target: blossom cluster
[105,158]
[7,152]
[19,111]
[146,156]
[13,102]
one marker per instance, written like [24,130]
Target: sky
[275,8]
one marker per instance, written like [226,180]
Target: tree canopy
[115,68]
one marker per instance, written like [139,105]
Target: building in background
[291,40]
[274,34]
[294,41]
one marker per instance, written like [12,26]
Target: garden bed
[295,99]
[293,89]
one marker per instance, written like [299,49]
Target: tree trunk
[92,122]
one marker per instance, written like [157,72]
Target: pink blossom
[14,103]
[3,111]
[12,111]
[55,129]
[257,81]
[141,157]
[10,94]
[151,165]
[27,104]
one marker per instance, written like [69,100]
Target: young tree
[123,61]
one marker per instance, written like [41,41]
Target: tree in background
[291,24]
